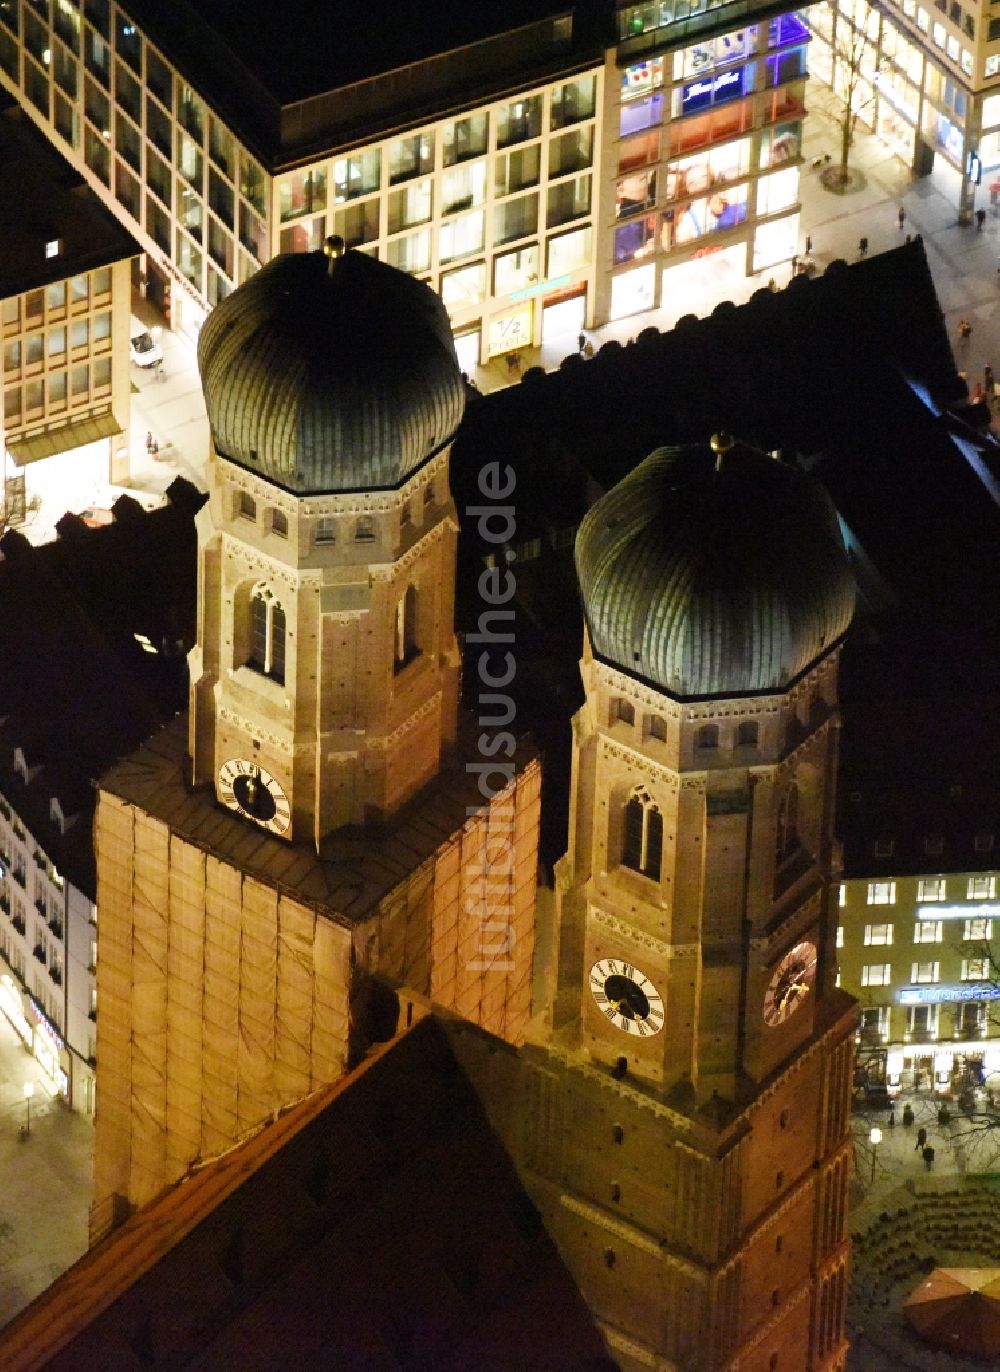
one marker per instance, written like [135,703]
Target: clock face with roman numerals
[626,997]
[250,791]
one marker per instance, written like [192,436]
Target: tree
[854,77]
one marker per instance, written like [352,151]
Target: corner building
[688,1134]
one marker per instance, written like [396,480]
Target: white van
[144,346]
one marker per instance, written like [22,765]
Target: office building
[64,320]
[539,168]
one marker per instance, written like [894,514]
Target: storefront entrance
[467,350]
[564,317]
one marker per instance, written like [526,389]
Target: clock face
[791,983]
[246,788]
[626,997]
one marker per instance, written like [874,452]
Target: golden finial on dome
[334,248]
[721,443]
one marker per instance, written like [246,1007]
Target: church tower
[684,1126]
[304,861]
[325,680]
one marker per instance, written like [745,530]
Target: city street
[45,1198]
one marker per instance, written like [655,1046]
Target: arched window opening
[406,628]
[788,823]
[642,836]
[707,736]
[747,734]
[267,634]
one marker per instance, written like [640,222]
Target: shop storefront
[49,1052]
[564,314]
[12,1005]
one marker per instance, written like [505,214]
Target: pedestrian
[928,1157]
[921,1139]
[988,381]
[901,216]
[772,285]
[892,1118]
[809,245]
[863,247]
[795,265]
[581,342]
[980,220]
[149,441]
[964,330]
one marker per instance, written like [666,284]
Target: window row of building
[501,207]
[926,973]
[929,890]
[924,931]
[48,948]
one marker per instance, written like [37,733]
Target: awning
[60,438]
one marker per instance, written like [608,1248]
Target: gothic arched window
[406,628]
[788,823]
[267,634]
[642,835]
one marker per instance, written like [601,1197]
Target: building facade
[703,151]
[64,329]
[551,201]
[927,80]
[48,932]
[921,955]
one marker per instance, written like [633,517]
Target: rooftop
[359,866]
[377,1224]
[42,201]
[252,59]
[77,689]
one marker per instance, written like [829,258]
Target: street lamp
[29,1091]
[874,1138]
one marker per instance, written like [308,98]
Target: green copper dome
[714,570]
[330,371]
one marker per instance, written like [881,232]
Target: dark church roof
[714,570]
[330,373]
[77,690]
[378,1224]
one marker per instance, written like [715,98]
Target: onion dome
[714,570]
[330,371]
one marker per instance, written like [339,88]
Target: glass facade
[709,143]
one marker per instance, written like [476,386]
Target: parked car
[144,348]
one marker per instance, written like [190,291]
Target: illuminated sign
[551,285]
[982,909]
[714,90]
[933,995]
[46,1027]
